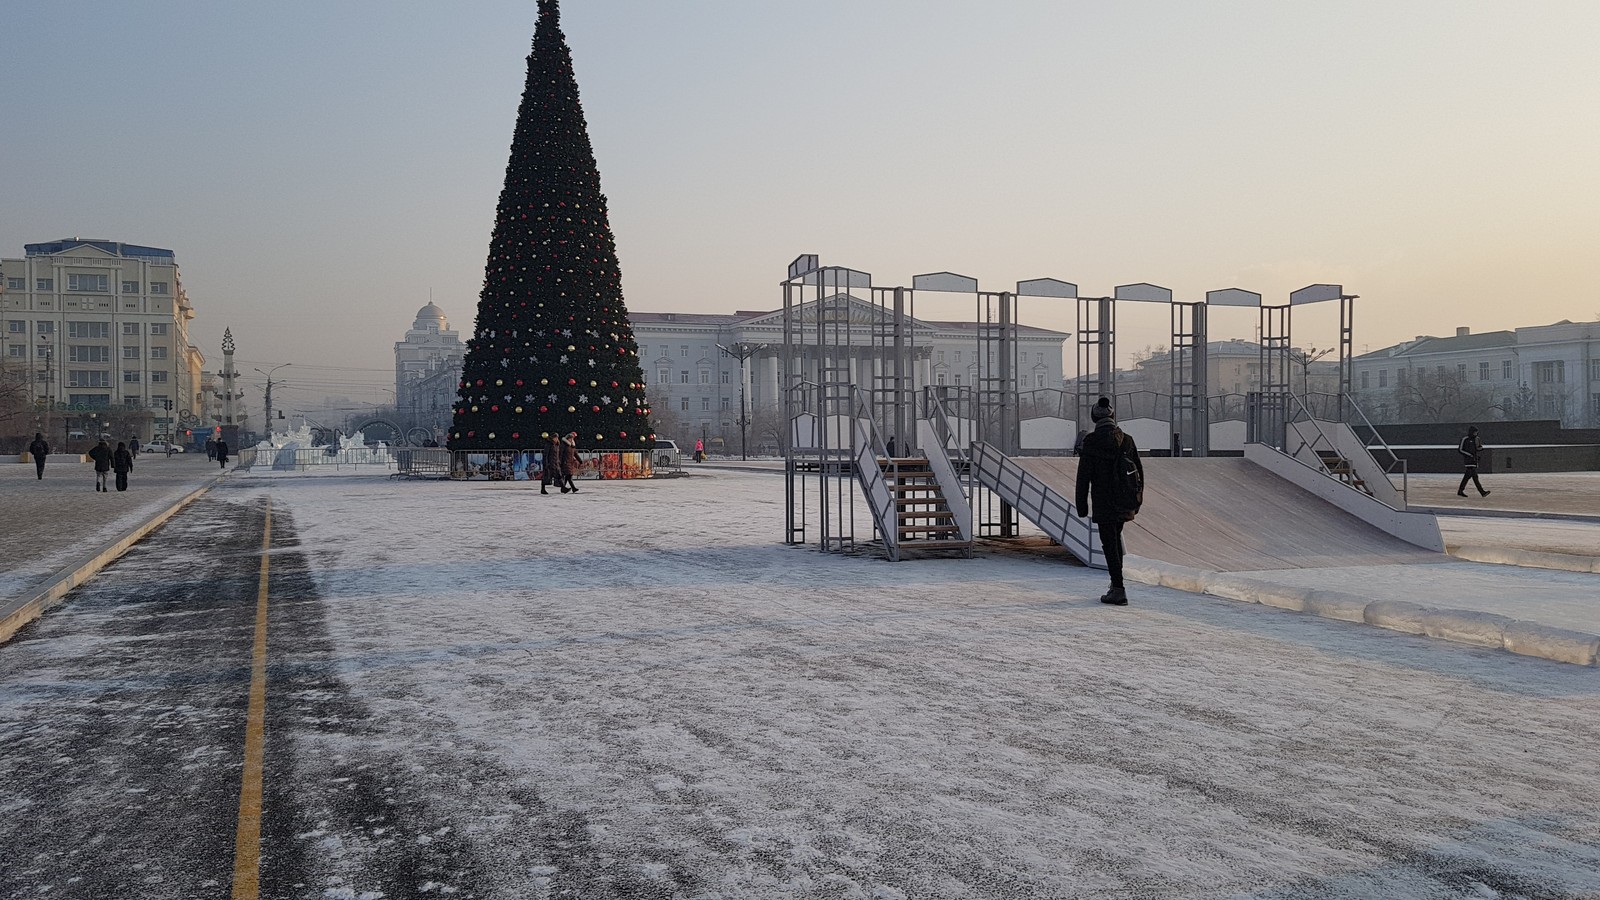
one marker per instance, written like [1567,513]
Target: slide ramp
[1228,514]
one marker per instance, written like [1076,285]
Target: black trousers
[1111,543]
[38,466]
[122,481]
[1472,476]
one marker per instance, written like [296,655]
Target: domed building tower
[430,356]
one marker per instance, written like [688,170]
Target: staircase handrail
[874,484]
[1394,465]
[1078,535]
[949,443]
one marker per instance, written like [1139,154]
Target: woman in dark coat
[1102,451]
[122,464]
[570,461]
[550,470]
[222,453]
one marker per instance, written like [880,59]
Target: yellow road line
[247,841]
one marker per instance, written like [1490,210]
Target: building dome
[431,318]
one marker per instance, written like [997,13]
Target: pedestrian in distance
[1111,475]
[211,448]
[551,471]
[570,462]
[699,450]
[39,449]
[221,451]
[1469,449]
[122,464]
[890,448]
[133,447]
[101,454]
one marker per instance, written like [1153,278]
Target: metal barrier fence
[439,462]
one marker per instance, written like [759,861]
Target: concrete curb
[1537,559]
[1503,513]
[17,613]
[1462,626]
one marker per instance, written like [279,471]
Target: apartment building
[102,327]
[427,370]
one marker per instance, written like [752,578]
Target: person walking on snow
[1469,450]
[101,454]
[570,462]
[133,448]
[1104,450]
[222,453]
[40,449]
[551,471]
[122,464]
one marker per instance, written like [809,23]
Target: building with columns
[695,388]
[101,329]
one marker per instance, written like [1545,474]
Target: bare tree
[1430,397]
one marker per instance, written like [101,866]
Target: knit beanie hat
[1102,410]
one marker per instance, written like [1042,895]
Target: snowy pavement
[636,691]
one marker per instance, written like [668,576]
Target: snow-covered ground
[715,714]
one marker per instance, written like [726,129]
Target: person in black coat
[101,454]
[122,464]
[222,453]
[550,472]
[1098,457]
[1469,449]
[40,449]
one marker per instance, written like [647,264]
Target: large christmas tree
[553,352]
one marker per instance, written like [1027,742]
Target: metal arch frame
[1270,421]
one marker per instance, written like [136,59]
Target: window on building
[683,351]
[1550,372]
[662,377]
[1483,371]
[941,357]
[17,326]
[89,330]
[705,376]
[1461,371]
[1505,369]
[1594,406]
[1038,379]
[80,353]
[45,327]
[89,399]
[958,381]
[82,378]
[727,402]
[160,401]
[130,327]
[44,284]
[683,377]
[15,284]
[97,284]
[131,400]
[18,350]
[158,327]
[683,404]
[158,287]
[130,352]
[1383,378]
[1594,370]
[705,404]
[941,377]
[44,351]
[1365,380]
[158,376]
[727,377]
[1401,376]
[158,353]
[130,287]
[130,376]
[958,356]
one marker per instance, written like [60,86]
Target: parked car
[666,454]
[161,447]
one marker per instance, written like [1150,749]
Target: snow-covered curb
[1539,559]
[1463,626]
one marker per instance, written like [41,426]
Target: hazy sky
[322,168]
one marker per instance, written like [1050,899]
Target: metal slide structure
[1038,502]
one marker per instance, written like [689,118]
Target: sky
[322,170]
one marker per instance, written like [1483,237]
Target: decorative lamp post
[742,352]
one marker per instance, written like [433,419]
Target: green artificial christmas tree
[553,351]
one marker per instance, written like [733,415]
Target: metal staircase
[923,517]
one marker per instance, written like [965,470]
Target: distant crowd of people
[113,465]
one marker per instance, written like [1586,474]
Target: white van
[666,454]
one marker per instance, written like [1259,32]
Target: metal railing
[1053,513]
[442,463]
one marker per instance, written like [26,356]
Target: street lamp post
[742,352]
[267,402]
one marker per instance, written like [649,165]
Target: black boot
[1116,596]
[1484,494]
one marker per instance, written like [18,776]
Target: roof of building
[115,248]
[1425,344]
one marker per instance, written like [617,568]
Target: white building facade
[102,328]
[427,368]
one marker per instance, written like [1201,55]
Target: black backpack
[1127,480]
